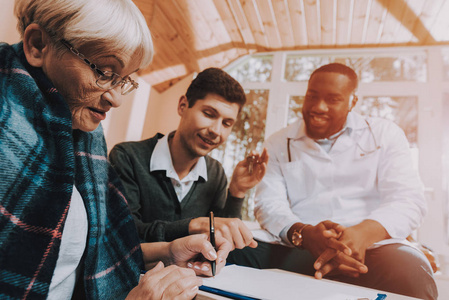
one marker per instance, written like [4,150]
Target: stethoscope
[364,152]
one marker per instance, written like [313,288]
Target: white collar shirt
[161,160]
[367,174]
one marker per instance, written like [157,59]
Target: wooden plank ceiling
[191,35]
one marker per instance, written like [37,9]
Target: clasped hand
[339,250]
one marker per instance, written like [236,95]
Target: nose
[215,128]
[320,106]
[113,97]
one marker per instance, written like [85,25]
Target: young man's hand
[248,173]
[195,252]
[231,229]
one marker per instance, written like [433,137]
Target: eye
[208,114]
[311,97]
[333,100]
[228,124]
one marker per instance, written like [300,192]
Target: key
[251,159]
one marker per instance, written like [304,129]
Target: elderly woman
[65,228]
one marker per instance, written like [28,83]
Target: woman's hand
[168,283]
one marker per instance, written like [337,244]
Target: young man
[341,191]
[172,184]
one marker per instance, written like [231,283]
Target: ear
[182,105]
[36,43]
[353,102]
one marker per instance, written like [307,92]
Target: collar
[161,161]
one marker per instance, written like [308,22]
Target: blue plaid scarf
[41,158]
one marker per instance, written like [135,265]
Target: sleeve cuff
[177,229]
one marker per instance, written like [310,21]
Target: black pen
[212,238]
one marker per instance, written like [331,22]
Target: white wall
[162,114]
[127,122]
[8,23]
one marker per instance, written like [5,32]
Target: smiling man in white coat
[341,195]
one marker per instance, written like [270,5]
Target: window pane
[294,108]
[401,110]
[255,68]
[445,159]
[368,68]
[247,134]
[299,68]
[445,53]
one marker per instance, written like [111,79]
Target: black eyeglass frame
[100,73]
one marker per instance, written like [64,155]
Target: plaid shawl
[41,158]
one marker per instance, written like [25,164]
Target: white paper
[274,285]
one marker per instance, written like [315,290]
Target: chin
[85,127]
[315,135]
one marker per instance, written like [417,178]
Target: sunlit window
[294,108]
[401,110]
[255,68]
[247,134]
[368,68]
[445,53]
[445,159]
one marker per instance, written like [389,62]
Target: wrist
[198,225]
[154,252]
[235,191]
[296,234]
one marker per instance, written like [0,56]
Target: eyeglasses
[106,79]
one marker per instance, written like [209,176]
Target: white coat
[367,174]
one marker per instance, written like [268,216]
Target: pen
[212,238]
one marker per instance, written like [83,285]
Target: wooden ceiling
[191,35]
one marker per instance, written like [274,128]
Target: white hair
[106,26]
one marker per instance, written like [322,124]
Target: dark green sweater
[152,199]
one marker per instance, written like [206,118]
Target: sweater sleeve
[131,171]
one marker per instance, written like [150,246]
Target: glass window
[256,68]
[401,110]
[294,108]
[299,68]
[369,68]
[445,53]
[445,160]
[247,134]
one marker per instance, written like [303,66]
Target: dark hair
[340,69]
[215,81]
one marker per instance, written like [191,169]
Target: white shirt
[73,244]
[161,160]
[367,174]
